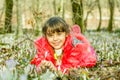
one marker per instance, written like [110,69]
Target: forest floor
[16,54]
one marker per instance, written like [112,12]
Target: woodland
[21,22]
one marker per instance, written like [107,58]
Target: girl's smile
[56,40]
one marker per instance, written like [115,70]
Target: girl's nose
[55,37]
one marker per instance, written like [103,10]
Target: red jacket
[75,54]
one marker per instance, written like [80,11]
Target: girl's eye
[50,35]
[53,34]
[59,33]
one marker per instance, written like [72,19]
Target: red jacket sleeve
[40,53]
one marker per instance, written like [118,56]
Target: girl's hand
[44,65]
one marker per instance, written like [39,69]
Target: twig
[27,38]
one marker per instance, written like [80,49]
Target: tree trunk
[62,9]
[54,7]
[37,16]
[59,9]
[99,8]
[77,9]
[118,4]
[8,16]
[19,19]
[110,24]
[91,7]
[86,18]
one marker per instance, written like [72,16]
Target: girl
[62,49]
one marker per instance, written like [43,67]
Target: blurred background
[89,14]
[21,22]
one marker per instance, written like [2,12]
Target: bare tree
[100,13]
[62,11]
[54,7]
[36,6]
[19,19]
[59,9]
[8,16]
[111,8]
[90,6]
[77,9]
[118,4]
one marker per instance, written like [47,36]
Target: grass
[16,54]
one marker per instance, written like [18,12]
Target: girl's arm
[40,53]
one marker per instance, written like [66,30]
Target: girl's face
[56,40]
